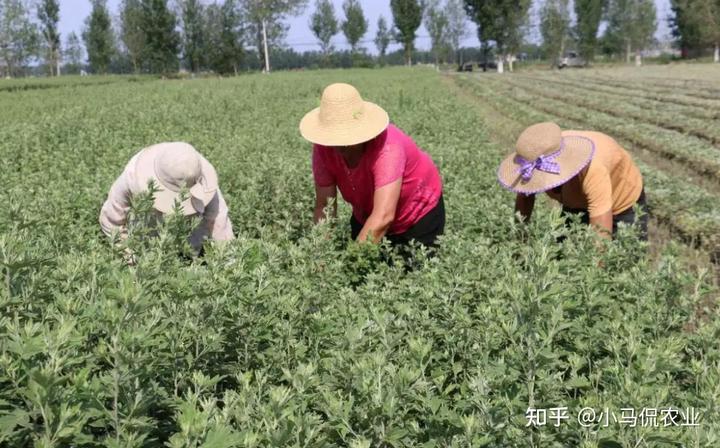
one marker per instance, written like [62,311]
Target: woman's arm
[603,224]
[215,224]
[525,204]
[385,201]
[113,215]
[322,197]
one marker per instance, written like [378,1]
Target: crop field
[668,116]
[292,336]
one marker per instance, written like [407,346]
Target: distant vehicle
[571,59]
[470,66]
[489,65]
[466,67]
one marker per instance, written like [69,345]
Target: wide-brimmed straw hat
[176,166]
[543,159]
[343,118]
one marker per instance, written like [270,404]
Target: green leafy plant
[292,335]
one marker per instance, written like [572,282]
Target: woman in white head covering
[172,167]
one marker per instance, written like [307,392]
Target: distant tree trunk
[265,46]
[10,70]
[638,58]
[556,62]
[510,62]
[628,52]
[716,56]
[408,55]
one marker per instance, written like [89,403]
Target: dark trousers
[628,216]
[425,231]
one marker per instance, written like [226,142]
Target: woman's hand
[385,201]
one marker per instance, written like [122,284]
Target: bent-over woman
[393,186]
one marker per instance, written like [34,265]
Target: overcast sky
[74,12]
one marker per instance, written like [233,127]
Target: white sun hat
[175,166]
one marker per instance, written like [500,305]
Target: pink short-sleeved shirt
[388,157]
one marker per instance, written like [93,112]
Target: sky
[74,12]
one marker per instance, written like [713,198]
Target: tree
[685,28]
[502,22]
[224,37]
[73,53]
[407,15]
[457,25]
[480,13]
[355,25]
[696,24]
[589,14]
[382,37]
[708,17]
[131,31]
[48,13]
[264,23]
[324,25]
[162,42]
[18,36]
[633,24]
[194,50]
[436,22]
[98,37]
[554,28]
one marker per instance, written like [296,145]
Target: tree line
[228,36]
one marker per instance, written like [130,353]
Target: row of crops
[292,336]
[675,135]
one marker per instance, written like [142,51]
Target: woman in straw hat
[589,173]
[172,167]
[394,188]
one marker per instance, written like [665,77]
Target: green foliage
[324,25]
[631,24]
[696,22]
[224,35]
[457,24]
[194,34]
[355,25]
[73,54]
[49,16]
[19,37]
[161,39]
[290,335]
[269,15]
[555,27]
[98,37]
[588,13]
[383,36]
[131,31]
[499,21]
[407,15]
[437,24]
